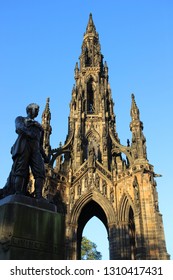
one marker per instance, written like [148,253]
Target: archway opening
[96,232]
[132,234]
[90,210]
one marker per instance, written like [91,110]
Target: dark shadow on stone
[30,229]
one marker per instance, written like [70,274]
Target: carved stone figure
[104,188]
[91,158]
[136,190]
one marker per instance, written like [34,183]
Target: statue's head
[32,110]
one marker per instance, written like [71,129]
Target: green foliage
[89,250]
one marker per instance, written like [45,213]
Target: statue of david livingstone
[27,152]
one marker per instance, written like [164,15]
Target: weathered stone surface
[30,229]
[93,174]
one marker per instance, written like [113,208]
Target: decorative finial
[133,96]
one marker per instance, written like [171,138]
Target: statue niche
[90,96]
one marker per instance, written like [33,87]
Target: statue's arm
[21,127]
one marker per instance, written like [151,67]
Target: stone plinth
[30,229]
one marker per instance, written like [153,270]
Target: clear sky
[40,42]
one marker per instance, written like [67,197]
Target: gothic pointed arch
[91,209]
[89,205]
[91,78]
[127,221]
[124,207]
[99,199]
[92,133]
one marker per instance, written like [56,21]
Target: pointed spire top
[47,109]
[105,64]
[47,101]
[90,27]
[46,117]
[134,106]
[138,146]
[134,109]
[46,113]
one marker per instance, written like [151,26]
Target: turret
[46,117]
[138,146]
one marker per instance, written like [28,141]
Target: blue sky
[40,44]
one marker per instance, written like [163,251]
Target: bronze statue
[27,152]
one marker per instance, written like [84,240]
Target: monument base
[30,229]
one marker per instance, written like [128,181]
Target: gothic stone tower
[88,175]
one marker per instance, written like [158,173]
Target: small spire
[46,112]
[106,69]
[105,64]
[76,70]
[138,146]
[76,66]
[46,117]
[47,104]
[135,114]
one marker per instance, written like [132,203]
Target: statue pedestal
[30,229]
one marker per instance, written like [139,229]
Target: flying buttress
[54,153]
[120,148]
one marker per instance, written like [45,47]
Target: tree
[89,250]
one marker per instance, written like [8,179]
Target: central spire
[91,107]
[91,52]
